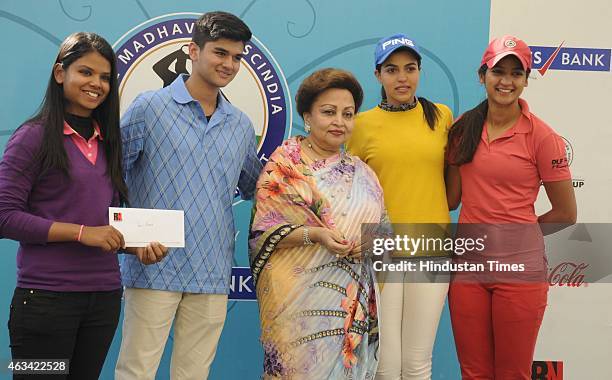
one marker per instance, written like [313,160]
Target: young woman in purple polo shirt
[60,172]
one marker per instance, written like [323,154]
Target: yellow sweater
[408,158]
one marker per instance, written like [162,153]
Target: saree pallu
[318,313]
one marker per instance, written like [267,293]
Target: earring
[307,127]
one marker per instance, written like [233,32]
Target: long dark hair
[50,116]
[464,135]
[431,113]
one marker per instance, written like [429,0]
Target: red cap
[504,46]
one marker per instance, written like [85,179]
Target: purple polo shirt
[30,202]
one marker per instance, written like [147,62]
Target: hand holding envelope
[105,237]
[147,232]
[151,254]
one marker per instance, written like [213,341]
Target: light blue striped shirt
[175,159]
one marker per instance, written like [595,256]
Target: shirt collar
[524,126]
[179,91]
[181,95]
[69,131]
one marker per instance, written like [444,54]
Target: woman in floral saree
[316,290]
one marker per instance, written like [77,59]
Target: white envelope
[141,226]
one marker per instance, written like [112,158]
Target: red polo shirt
[501,183]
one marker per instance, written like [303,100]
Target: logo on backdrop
[570,58]
[153,54]
[568,274]
[547,370]
[241,284]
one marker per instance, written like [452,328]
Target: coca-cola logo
[567,274]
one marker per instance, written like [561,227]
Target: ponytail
[431,112]
[464,135]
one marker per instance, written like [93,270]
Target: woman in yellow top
[403,140]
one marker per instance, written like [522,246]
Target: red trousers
[495,327]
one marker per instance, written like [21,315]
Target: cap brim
[394,49]
[493,61]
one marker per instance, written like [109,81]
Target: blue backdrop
[302,36]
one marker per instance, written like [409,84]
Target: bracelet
[80,233]
[305,236]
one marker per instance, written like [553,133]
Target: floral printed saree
[318,313]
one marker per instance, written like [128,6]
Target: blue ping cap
[388,45]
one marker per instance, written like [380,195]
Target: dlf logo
[398,41]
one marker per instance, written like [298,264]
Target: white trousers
[148,316]
[409,316]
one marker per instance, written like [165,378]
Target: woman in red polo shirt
[499,155]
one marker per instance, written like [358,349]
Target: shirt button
[89,145]
[88,154]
